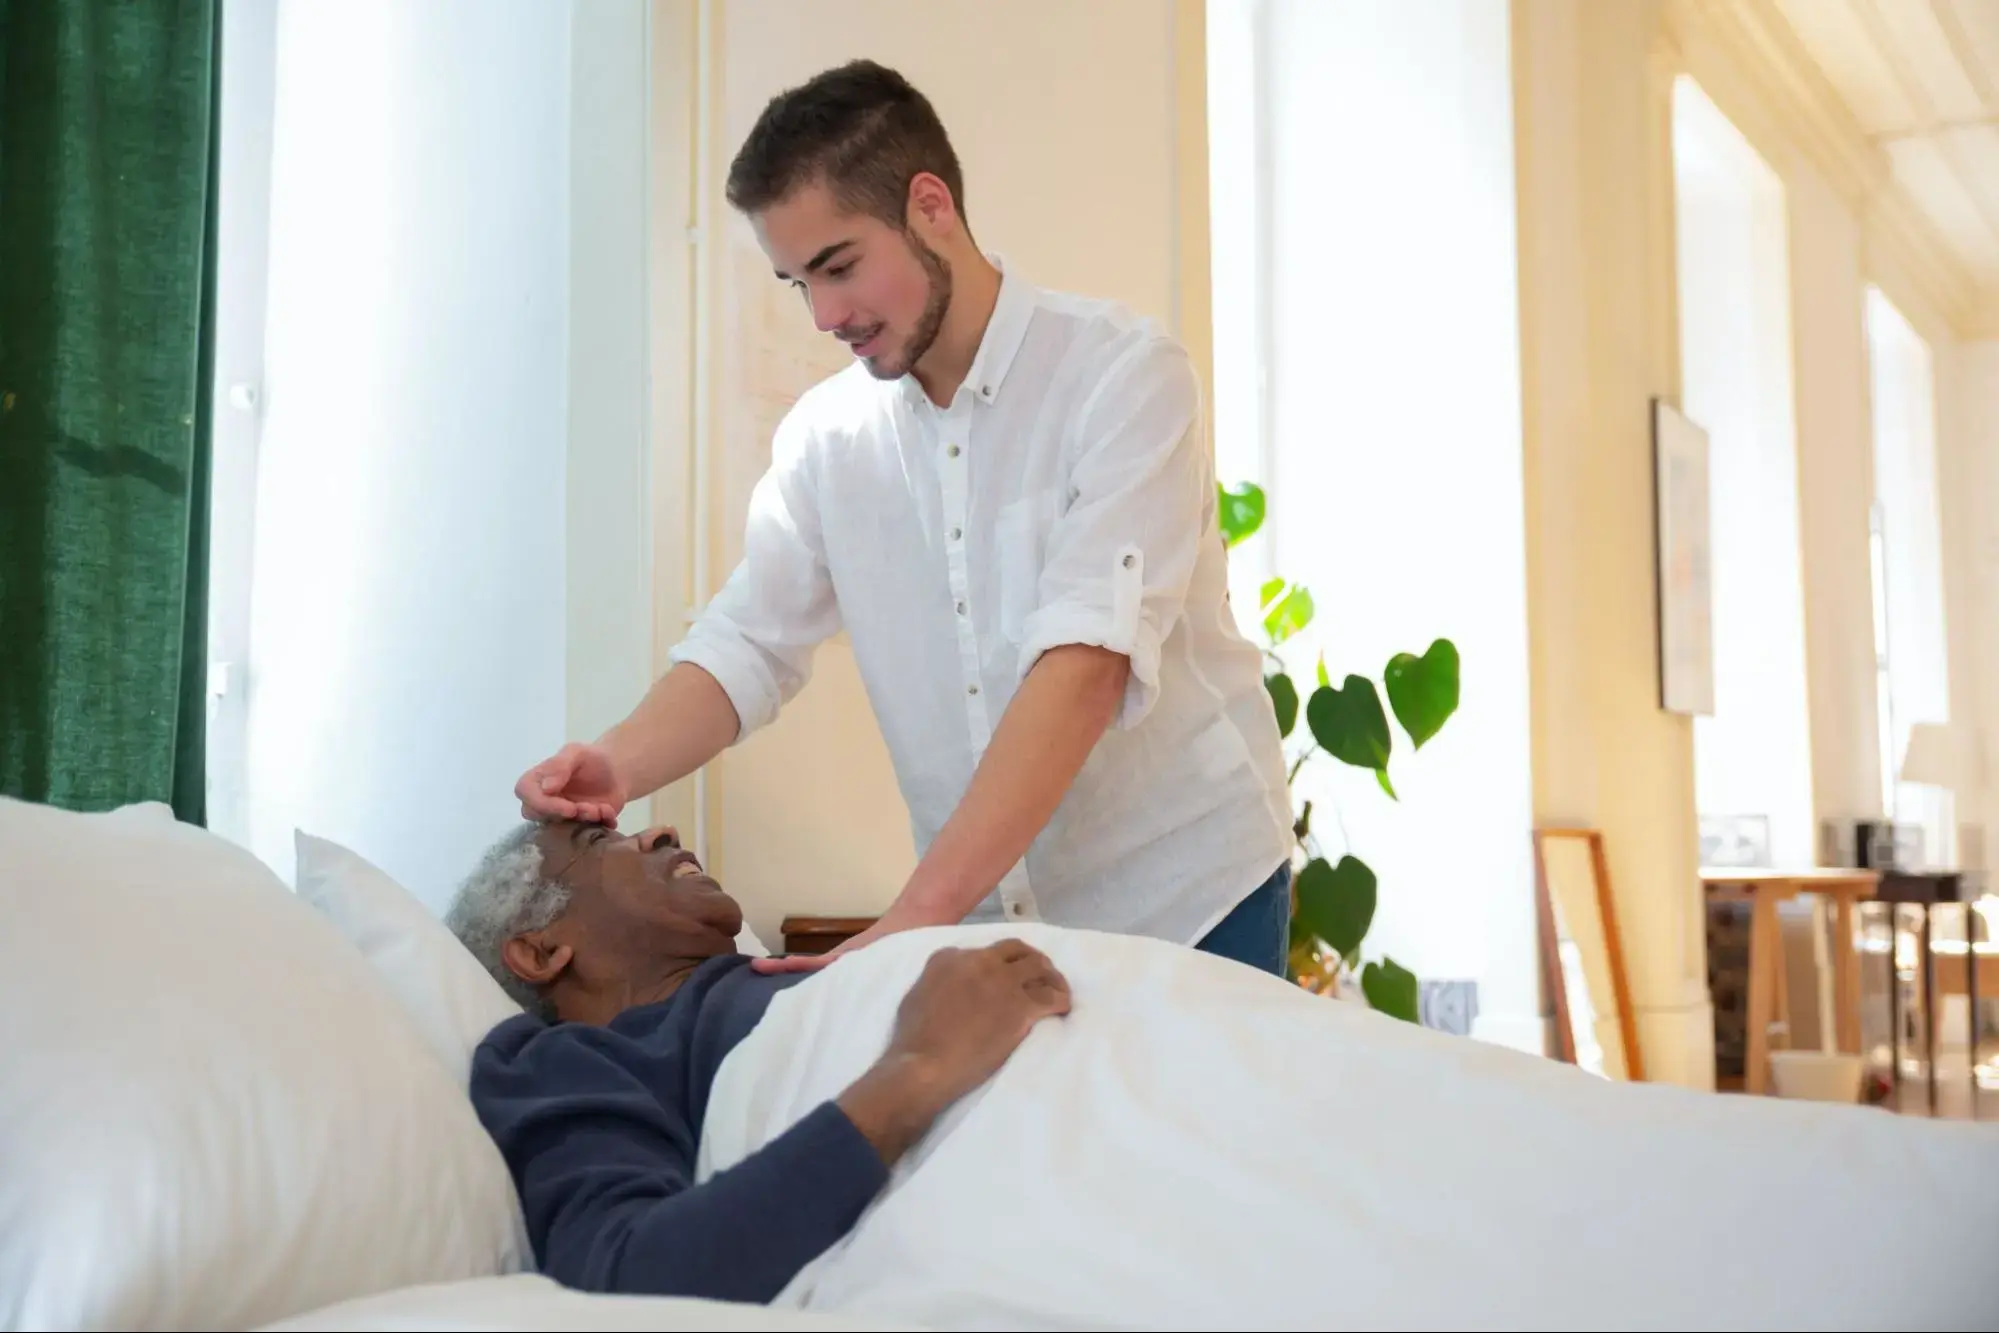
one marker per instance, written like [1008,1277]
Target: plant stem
[1300,763]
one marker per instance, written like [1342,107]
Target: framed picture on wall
[1685,551]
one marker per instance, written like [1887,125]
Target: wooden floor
[1955,1095]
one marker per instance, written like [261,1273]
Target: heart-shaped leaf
[1337,902]
[1423,691]
[1284,698]
[1289,614]
[1268,592]
[1391,989]
[1349,725]
[1240,511]
[1324,679]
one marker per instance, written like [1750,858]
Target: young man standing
[1009,505]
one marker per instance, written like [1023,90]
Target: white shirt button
[1129,561]
[1015,909]
[961,608]
[951,450]
[956,533]
[971,689]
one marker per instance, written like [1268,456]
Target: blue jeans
[1258,931]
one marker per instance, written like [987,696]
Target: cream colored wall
[1847,234]
[1598,329]
[1835,492]
[1593,127]
[806,817]
[1094,183]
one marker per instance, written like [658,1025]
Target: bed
[234,1105]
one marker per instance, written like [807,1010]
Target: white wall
[1753,756]
[608,503]
[1079,186]
[1394,454]
[249,47]
[435,604]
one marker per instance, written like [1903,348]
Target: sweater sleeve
[605,1170]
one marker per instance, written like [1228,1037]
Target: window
[1367,373]
[1752,757]
[1911,650]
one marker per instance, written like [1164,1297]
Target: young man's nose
[654,838]
[829,312]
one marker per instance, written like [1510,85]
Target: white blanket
[1201,1146]
[530,1303]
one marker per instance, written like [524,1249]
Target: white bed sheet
[532,1304]
[1201,1146]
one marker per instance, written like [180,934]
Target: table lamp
[1942,754]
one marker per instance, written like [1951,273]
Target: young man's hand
[576,782]
[967,1013]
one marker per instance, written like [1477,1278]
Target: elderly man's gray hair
[507,895]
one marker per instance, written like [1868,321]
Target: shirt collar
[1004,333]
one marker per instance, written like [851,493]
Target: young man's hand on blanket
[959,1023]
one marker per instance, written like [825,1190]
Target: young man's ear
[930,201]
[534,959]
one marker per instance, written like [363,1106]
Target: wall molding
[1748,60]
[1193,303]
[1981,320]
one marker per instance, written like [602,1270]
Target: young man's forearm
[684,721]
[1056,718]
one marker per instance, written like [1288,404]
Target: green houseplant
[1332,903]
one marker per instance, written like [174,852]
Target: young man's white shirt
[1066,496]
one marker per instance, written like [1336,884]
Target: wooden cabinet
[821,934]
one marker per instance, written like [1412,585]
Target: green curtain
[107,242]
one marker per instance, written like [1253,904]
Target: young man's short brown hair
[862,129]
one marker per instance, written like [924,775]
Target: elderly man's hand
[967,1013]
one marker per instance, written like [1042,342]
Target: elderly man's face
[635,902]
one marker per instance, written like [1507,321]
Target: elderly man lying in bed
[1183,1146]
[623,951]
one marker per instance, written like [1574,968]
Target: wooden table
[1768,1001]
[1924,889]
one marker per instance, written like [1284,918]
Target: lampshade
[1942,755]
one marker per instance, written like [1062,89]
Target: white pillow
[213,1114]
[441,985]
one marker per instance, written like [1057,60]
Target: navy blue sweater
[599,1126]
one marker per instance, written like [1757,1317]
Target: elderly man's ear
[535,959]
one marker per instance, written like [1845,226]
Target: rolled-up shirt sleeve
[757,635]
[1119,559]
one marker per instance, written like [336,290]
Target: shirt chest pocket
[1020,545]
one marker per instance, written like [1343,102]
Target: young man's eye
[841,270]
